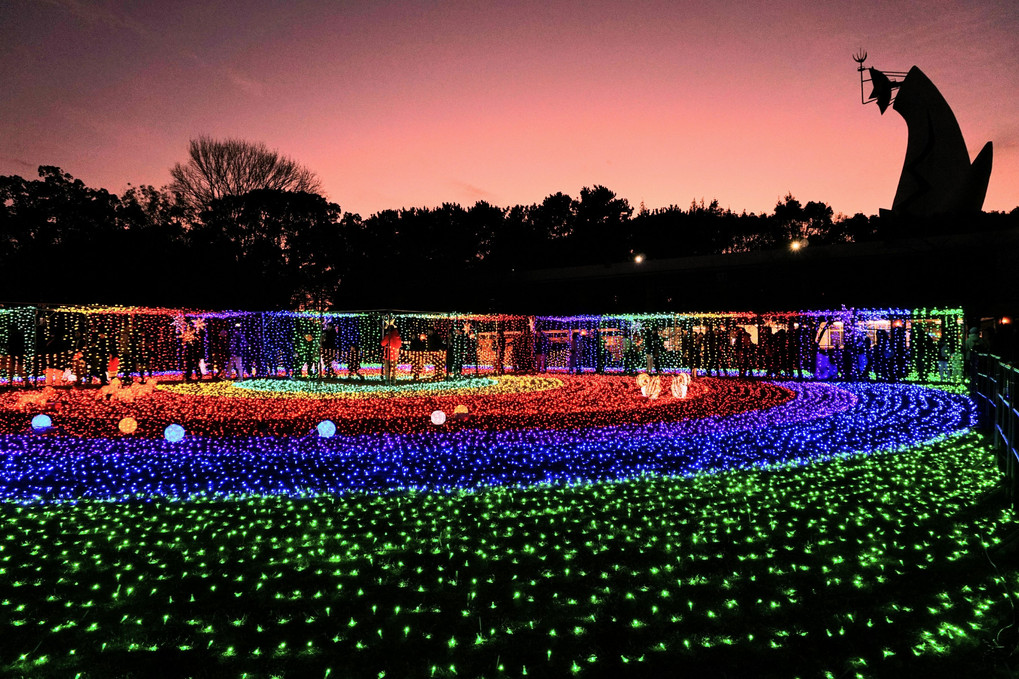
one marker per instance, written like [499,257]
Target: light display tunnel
[92,344]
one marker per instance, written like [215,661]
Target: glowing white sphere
[173,433]
[326,428]
[438,417]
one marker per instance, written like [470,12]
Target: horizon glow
[400,105]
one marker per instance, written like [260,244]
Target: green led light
[654,572]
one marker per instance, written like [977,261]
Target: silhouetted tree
[63,241]
[58,238]
[160,208]
[705,221]
[484,222]
[555,217]
[153,246]
[818,221]
[788,219]
[811,222]
[271,248]
[600,233]
[233,167]
[518,244]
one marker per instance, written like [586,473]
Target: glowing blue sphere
[41,421]
[326,428]
[174,433]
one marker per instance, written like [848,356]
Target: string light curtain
[884,345]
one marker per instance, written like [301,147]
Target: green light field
[870,566]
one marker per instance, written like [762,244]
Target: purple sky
[414,104]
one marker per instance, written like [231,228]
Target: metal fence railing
[994,390]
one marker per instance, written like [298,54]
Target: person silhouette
[391,344]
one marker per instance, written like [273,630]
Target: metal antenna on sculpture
[883,85]
[859,58]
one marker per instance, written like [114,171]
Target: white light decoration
[174,433]
[41,421]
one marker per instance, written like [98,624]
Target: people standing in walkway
[653,347]
[541,350]
[329,348]
[972,348]
[97,356]
[500,348]
[575,362]
[236,346]
[436,349]
[194,350]
[944,359]
[417,350]
[14,362]
[391,344]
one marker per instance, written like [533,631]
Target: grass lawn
[892,564]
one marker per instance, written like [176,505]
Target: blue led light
[823,422]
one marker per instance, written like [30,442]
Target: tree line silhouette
[252,247]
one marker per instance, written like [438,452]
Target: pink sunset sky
[413,104]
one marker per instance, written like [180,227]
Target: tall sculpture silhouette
[937,177]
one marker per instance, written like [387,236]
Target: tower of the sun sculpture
[937,176]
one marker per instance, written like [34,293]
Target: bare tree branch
[233,167]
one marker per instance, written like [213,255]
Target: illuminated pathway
[867,565]
[548,430]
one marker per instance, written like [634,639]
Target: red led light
[574,401]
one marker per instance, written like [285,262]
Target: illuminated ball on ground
[41,421]
[460,410]
[326,428]
[173,433]
[438,417]
[128,425]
